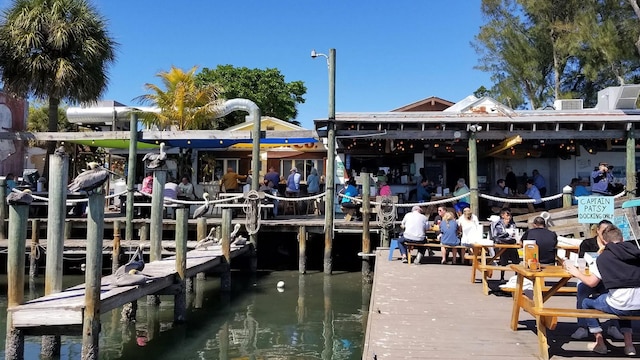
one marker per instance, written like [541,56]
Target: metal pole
[95,236]
[331,160]
[473,173]
[131,174]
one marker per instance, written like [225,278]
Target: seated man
[350,207]
[546,240]
[415,225]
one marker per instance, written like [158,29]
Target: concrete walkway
[432,311]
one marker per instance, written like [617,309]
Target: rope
[252,212]
[387,213]
[280,198]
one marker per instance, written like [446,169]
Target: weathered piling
[144,232]
[302,249]
[157,208]
[201,233]
[3,209]
[567,196]
[56,234]
[180,298]
[115,253]
[18,215]
[93,275]
[327,324]
[366,236]
[225,273]
[35,244]
[301,310]
[131,176]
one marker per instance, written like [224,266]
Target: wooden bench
[411,246]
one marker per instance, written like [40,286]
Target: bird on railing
[155,160]
[90,179]
[20,197]
[60,151]
[203,209]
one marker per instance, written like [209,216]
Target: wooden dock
[432,311]
[62,313]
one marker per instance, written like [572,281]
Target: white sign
[593,209]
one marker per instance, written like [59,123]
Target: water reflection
[315,317]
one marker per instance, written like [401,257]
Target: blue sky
[388,53]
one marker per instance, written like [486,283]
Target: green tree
[54,50]
[266,88]
[183,104]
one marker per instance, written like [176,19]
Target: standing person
[596,245]
[546,240]
[449,236]
[460,189]
[618,268]
[11,183]
[470,227]
[415,225]
[601,179]
[385,189]
[500,189]
[503,232]
[533,192]
[539,182]
[313,182]
[272,176]
[422,191]
[511,181]
[185,189]
[230,180]
[293,181]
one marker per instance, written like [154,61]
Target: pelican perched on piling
[90,179]
[20,197]
[201,210]
[155,160]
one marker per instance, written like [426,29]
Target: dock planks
[431,311]
[63,312]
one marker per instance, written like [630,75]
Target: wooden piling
[4,211]
[301,310]
[115,254]
[180,298]
[144,232]
[157,209]
[131,175]
[201,228]
[225,273]
[57,231]
[302,249]
[18,215]
[35,245]
[327,327]
[366,236]
[567,197]
[93,276]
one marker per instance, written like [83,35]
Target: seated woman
[470,227]
[349,206]
[449,236]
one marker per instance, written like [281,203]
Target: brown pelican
[153,160]
[130,273]
[201,210]
[20,197]
[90,179]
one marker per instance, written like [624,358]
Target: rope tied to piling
[252,211]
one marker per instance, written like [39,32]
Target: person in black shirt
[546,240]
[594,244]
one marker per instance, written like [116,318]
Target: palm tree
[182,104]
[56,50]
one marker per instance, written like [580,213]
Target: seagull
[20,197]
[90,179]
[155,160]
[201,210]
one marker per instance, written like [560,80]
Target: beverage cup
[581,264]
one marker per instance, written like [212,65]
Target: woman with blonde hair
[449,236]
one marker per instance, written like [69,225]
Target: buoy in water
[280,284]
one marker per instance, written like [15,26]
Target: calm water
[315,317]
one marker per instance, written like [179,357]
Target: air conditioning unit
[568,104]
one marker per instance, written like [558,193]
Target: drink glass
[581,264]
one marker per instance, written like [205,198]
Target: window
[211,168]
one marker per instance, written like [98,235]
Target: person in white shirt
[185,188]
[470,227]
[415,224]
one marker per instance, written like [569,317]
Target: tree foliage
[181,101]
[266,88]
[541,50]
[54,50]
